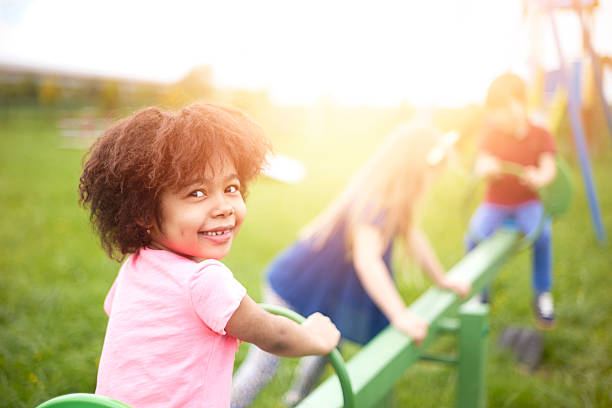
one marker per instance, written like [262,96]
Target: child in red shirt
[510,137]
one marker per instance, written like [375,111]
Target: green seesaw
[377,367]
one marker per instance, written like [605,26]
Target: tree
[49,93]
[197,84]
[109,94]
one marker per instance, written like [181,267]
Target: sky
[378,53]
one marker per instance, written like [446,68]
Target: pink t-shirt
[165,343]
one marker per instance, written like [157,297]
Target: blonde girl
[341,264]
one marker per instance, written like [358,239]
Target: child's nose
[223,208]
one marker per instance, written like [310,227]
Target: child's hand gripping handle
[527,175]
[555,194]
[323,331]
[316,321]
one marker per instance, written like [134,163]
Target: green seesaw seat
[82,401]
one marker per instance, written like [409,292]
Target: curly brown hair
[139,157]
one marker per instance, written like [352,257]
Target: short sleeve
[108,301]
[215,294]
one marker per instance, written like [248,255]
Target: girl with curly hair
[167,190]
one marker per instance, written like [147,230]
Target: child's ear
[141,222]
[146,226]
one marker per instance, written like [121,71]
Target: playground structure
[571,83]
[372,373]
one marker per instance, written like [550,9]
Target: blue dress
[326,281]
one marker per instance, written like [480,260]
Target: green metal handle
[557,195]
[81,400]
[511,168]
[334,357]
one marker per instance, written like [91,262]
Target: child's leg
[529,219]
[307,374]
[542,260]
[485,221]
[258,367]
[254,373]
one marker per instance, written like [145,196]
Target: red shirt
[507,190]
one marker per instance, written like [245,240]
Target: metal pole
[578,132]
[597,73]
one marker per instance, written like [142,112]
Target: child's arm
[377,282]
[487,166]
[279,335]
[542,174]
[420,249]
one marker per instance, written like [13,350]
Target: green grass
[54,276]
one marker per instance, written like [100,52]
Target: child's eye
[197,193]
[232,189]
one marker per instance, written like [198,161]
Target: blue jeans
[488,218]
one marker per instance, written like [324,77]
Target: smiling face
[201,220]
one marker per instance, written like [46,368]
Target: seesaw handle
[334,357]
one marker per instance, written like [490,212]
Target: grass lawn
[54,276]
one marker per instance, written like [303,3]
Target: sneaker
[544,310]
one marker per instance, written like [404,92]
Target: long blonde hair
[390,184]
